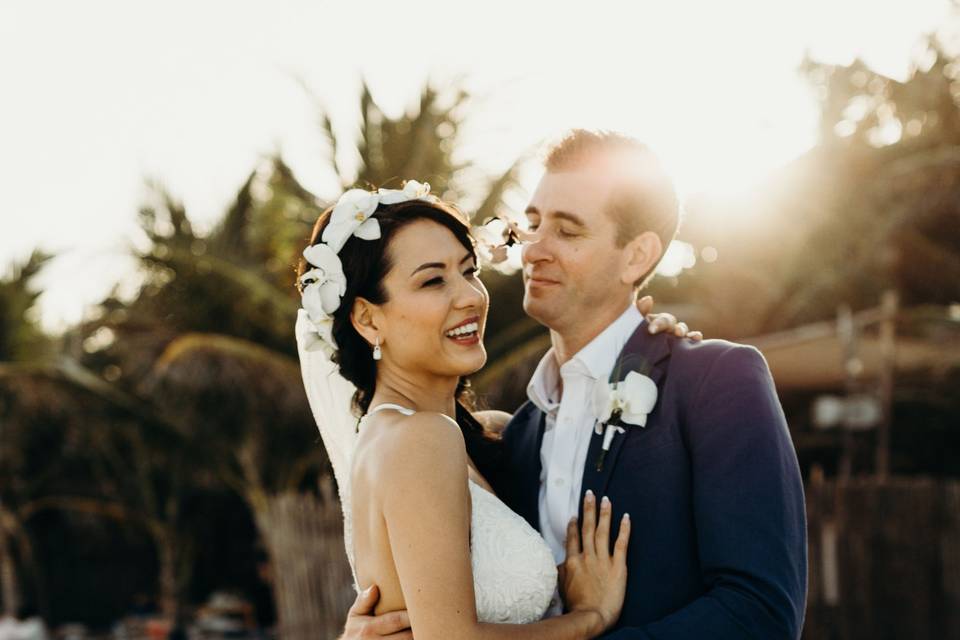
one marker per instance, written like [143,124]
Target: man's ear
[640,255]
[363,317]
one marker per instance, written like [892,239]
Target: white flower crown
[323,286]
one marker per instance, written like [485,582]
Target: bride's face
[436,307]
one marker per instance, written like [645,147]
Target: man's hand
[665,321]
[362,624]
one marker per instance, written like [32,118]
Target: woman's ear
[363,317]
[641,254]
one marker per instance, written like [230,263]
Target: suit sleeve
[748,510]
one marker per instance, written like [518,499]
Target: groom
[706,468]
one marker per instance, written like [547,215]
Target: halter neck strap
[405,411]
[389,405]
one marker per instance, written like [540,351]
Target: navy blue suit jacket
[718,542]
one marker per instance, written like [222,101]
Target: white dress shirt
[570,422]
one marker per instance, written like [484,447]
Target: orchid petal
[392,196]
[601,400]
[313,302]
[640,396]
[330,296]
[369,230]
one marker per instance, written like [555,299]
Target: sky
[97,97]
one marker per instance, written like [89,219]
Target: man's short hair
[645,200]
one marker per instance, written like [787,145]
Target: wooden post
[888,333]
[846,333]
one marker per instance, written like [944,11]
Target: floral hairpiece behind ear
[324,284]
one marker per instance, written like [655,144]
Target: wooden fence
[884,558]
[313,586]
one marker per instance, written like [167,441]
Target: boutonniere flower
[617,404]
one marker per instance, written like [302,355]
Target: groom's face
[572,265]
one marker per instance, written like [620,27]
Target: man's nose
[536,249]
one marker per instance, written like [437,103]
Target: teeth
[473,327]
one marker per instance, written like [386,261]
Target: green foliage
[21,339]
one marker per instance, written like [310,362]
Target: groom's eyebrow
[563,215]
[438,265]
[572,217]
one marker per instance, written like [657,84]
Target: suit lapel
[525,439]
[643,353]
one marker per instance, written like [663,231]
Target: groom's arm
[748,510]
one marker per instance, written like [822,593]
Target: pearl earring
[377,353]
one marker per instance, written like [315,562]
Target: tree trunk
[9,589]
[169,584]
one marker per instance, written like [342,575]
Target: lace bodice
[513,572]
[514,576]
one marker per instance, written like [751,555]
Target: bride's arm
[426,511]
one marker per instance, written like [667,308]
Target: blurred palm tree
[20,341]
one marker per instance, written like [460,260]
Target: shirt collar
[596,360]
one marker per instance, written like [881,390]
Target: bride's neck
[421,393]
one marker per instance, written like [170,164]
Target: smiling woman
[369,263]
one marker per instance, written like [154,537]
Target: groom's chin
[537,308]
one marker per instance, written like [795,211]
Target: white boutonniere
[616,404]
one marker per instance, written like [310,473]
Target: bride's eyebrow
[438,265]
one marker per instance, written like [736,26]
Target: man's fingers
[662,321]
[365,602]
[389,623]
[603,529]
[645,305]
[623,539]
[696,336]
[589,522]
[681,329]
[573,538]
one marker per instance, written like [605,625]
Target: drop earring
[377,353]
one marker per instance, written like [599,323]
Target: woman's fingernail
[589,494]
[626,516]
[605,502]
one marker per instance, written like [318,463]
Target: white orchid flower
[315,336]
[412,190]
[325,284]
[351,217]
[492,234]
[634,398]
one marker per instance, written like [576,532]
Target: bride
[393,319]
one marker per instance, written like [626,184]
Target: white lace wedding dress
[514,576]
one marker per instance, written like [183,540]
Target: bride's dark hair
[365,265]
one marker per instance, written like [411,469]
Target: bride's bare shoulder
[423,444]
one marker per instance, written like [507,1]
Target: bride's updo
[365,265]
